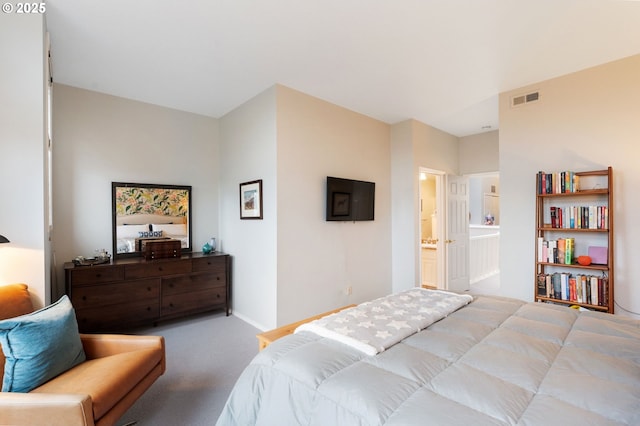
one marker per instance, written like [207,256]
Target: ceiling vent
[520,100]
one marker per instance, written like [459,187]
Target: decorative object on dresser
[132,292]
[164,249]
[574,247]
[144,212]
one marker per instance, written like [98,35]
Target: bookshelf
[574,218]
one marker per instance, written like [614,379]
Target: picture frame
[251,199]
[341,204]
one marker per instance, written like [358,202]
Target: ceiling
[442,62]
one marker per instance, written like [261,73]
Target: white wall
[405,262]
[22,155]
[319,260]
[99,139]
[584,121]
[479,153]
[248,150]
[414,145]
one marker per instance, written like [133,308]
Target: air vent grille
[527,98]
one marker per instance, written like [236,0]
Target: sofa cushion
[15,300]
[39,346]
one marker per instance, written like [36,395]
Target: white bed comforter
[495,361]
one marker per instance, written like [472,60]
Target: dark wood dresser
[134,292]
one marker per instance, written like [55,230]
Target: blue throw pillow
[39,346]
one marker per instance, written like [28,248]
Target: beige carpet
[205,356]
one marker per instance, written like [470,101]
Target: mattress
[495,361]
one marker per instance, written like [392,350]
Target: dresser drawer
[195,301]
[157,269]
[118,317]
[121,294]
[192,282]
[209,264]
[96,274]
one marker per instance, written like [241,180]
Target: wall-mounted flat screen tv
[350,200]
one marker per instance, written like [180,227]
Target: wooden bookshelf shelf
[584,305]
[551,229]
[575,265]
[576,193]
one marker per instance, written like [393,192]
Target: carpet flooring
[205,356]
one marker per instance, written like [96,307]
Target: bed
[493,361]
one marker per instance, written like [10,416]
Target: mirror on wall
[145,212]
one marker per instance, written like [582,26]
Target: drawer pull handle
[148,288]
[98,275]
[149,308]
[84,297]
[218,295]
[159,268]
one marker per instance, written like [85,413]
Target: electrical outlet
[348,291]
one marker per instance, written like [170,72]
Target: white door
[457,236]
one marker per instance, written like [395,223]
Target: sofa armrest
[102,345]
[45,409]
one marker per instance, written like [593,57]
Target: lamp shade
[4,239]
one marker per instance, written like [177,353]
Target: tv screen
[350,200]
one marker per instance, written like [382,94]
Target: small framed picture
[251,200]
[341,204]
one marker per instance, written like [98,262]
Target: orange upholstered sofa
[118,369]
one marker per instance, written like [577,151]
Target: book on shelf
[541,252]
[573,288]
[568,252]
[560,251]
[551,250]
[557,285]
[542,285]
[579,217]
[564,286]
[578,288]
[557,183]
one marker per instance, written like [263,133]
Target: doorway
[431,229]
[484,232]
[444,230]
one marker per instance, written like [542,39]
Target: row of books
[557,183]
[579,217]
[589,289]
[560,251]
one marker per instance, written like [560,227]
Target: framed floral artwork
[251,200]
